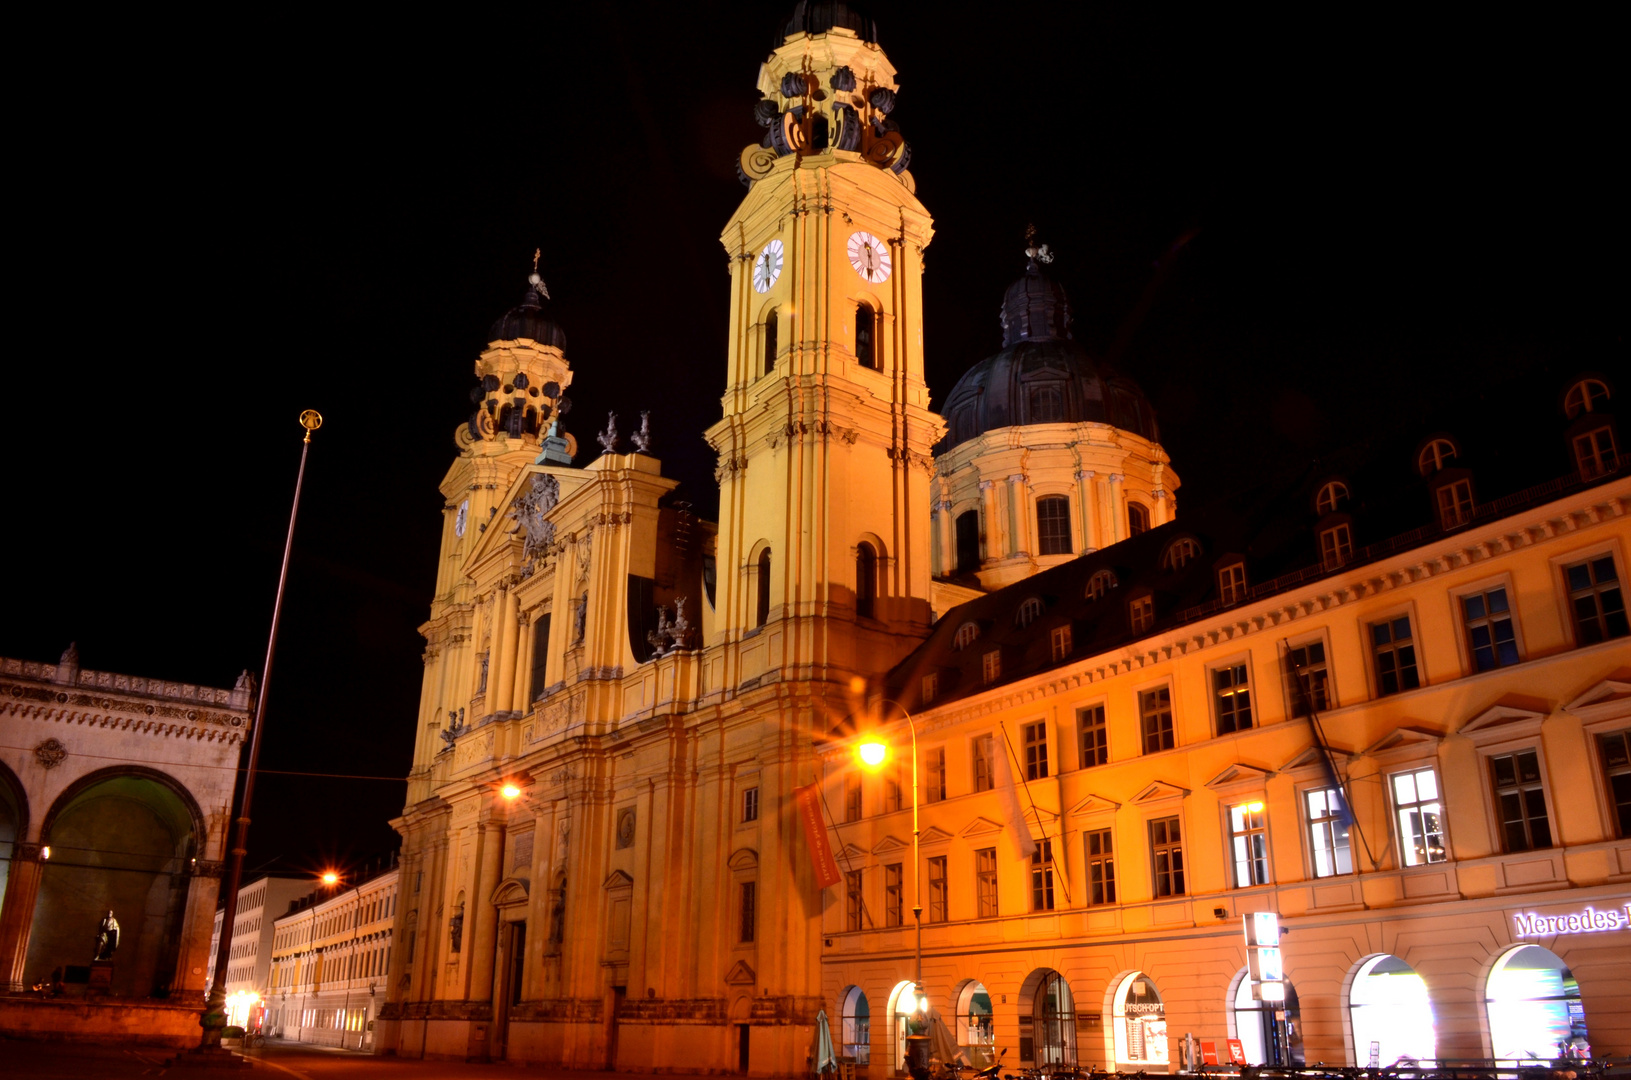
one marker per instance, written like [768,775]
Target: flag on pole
[808,801]
[1008,797]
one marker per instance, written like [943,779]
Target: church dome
[820,16]
[526,320]
[1041,376]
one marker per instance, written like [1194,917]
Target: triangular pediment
[934,834]
[1159,791]
[852,851]
[889,845]
[1310,758]
[1094,804]
[1502,722]
[509,891]
[1042,818]
[1405,742]
[1608,700]
[741,974]
[981,827]
[617,879]
[1239,777]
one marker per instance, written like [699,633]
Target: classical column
[1019,504]
[17,915]
[945,533]
[1118,509]
[501,663]
[480,915]
[1089,518]
[993,546]
[1158,512]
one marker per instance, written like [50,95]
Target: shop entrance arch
[901,1003]
[855,1026]
[1139,1023]
[1391,1014]
[1534,1006]
[1270,1032]
[976,1031]
[1047,1020]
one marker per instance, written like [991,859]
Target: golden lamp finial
[536,252]
[311,420]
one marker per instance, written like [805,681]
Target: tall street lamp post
[873,754]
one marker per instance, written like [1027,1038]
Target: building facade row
[329,959]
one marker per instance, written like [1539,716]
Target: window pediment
[851,851]
[1094,804]
[934,834]
[617,879]
[1159,792]
[509,891]
[744,859]
[741,974]
[889,845]
[1405,744]
[1310,764]
[1608,700]
[1502,722]
[1239,779]
[981,827]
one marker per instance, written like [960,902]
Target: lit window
[1231,698]
[1587,395]
[1028,611]
[1047,404]
[1155,719]
[1167,856]
[1095,742]
[1394,652]
[1595,454]
[1042,877]
[984,763]
[852,798]
[934,771]
[937,889]
[1310,678]
[967,634]
[1138,519]
[931,687]
[1454,503]
[1059,638]
[1420,817]
[1336,546]
[1100,583]
[852,900]
[1248,837]
[1036,751]
[893,889]
[985,880]
[1520,801]
[748,902]
[1332,497]
[1178,554]
[1598,603]
[1141,613]
[1616,752]
[1328,825]
[750,804]
[1488,620]
[1101,868]
[1232,583]
[991,665]
[1053,525]
[1435,456]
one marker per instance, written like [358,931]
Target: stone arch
[1047,1019]
[973,1021]
[1123,987]
[13,824]
[744,859]
[1404,1025]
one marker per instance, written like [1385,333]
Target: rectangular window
[1594,453]
[1455,504]
[1167,856]
[985,880]
[1101,867]
[1232,583]
[1095,736]
[991,665]
[1053,525]
[1141,613]
[1248,838]
[1042,877]
[1336,546]
[1598,604]
[1231,698]
[1490,640]
[1328,832]
[1395,655]
[1036,750]
[1310,678]
[931,687]
[891,788]
[852,900]
[893,888]
[1520,801]
[852,797]
[937,889]
[1060,637]
[1155,718]
[749,897]
[750,804]
[934,775]
[984,762]
[1616,751]
[1420,817]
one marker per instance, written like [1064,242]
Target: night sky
[1291,230]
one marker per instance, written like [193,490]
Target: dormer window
[1336,546]
[1332,497]
[1178,553]
[1141,613]
[1454,504]
[1100,583]
[967,634]
[1028,612]
[1436,455]
[1587,395]
[1047,403]
[1232,583]
[1595,453]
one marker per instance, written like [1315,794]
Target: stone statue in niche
[482,687]
[455,930]
[557,914]
[580,619]
[642,438]
[455,728]
[107,937]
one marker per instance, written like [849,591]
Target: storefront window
[1392,1014]
[1534,1006]
[902,1006]
[976,1034]
[1140,1022]
[1053,1023]
[1269,1031]
[856,1037]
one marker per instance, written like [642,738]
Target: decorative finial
[608,438]
[1033,251]
[642,438]
[311,420]
[535,279]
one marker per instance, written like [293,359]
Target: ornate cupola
[1035,307]
[523,373]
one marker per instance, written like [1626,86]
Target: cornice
[50,705]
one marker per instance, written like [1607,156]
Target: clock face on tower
[768,267]
[869,256]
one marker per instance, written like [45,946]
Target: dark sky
[1392,216]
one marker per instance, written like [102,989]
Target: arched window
[1332,497]
[1178,553]
[866,333]
[1587,395]
[1100,583]
[855,1027]
[1028,612]
[968,541]
[976,1028]
[1138,519]
[1053,1028]
[1046,403]
[967,634]
[1270,1032]
[1534,1006]
[1140,1018]
[1436,455]
[866,579]
[762,614]
[772,322]
[1053,524]
[1392,1015]
[902,1004]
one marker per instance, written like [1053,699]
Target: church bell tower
[824,446]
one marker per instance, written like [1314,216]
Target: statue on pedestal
[107,937]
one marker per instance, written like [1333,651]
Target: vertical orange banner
[808,800]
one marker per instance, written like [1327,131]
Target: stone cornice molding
[84,710]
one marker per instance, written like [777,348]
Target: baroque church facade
[602,861]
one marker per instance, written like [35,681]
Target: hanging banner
[808,801]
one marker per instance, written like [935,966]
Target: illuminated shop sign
[1591,920]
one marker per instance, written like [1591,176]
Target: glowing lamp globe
[510,791]
[330,878]
[873,753]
